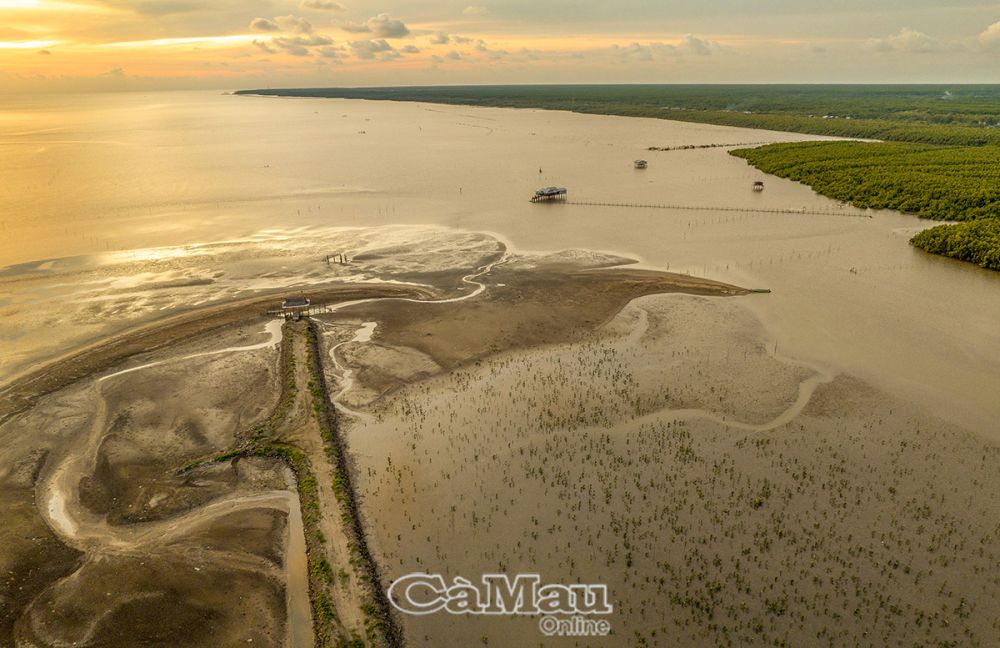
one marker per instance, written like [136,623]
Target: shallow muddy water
[118,209]
[681,462]
[90,175]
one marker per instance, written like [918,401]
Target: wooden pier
[322,310]
[306,311]
[755,210]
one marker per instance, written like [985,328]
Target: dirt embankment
[347,603]
[337,592]
[385,625]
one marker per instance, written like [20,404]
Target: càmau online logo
[420,594]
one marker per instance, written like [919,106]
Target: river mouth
[558,413]
[846,291]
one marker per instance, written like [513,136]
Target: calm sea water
[87,177]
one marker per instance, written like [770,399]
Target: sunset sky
[82,45]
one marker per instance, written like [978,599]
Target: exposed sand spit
[526,301]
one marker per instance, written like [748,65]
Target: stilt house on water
[549,193]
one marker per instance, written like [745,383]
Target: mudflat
[169,461]
[799,468]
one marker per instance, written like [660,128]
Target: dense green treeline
[974,241]
[941,183]
[938,182]
[876,129]
[963,115]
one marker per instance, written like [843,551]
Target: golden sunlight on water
[114,180]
